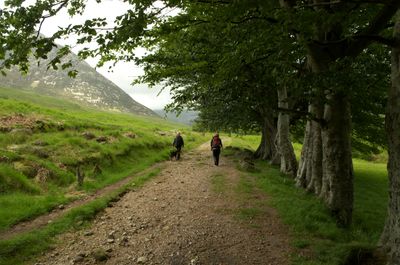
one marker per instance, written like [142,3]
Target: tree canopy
[246,65]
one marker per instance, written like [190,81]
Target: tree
[391,234]
[228,78]
[250,52]
[335,33]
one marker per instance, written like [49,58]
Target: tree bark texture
[309,174]
[337,165]
[285,148]
[390,238]
[267,149]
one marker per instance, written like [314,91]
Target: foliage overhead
[227,58]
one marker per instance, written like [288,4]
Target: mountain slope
[89,88]
[186,117]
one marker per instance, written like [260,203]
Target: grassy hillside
[45,140]
[315,236]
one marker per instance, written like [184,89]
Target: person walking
[178,144]
[216,145]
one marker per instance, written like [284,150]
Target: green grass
[24,248]
[248,213]
[13,180]
[50,141]
[38,204]
[310,223]
[218,182]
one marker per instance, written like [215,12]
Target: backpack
[216,142]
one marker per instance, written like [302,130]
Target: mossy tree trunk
[267,148]
[390,238]
[337,165]
[284,144]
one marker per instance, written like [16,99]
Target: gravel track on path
[181,216]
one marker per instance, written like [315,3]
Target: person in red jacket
[216,146]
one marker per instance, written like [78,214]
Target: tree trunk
[309,174]
[316,172]
[304,163]
[390,238]
[267,149]
[336,172]
[285,148]
[337,165]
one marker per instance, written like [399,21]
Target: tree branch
[305,114]
[338,2]
[213,2]
[269,19]
[375,27]
[391,42]
[51,13]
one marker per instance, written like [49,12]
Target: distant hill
[186,117]
[89,88]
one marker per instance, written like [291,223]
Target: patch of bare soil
[17,120]
[188,214]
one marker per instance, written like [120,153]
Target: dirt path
[191,213]
[44,219]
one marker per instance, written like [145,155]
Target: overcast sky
[123,73]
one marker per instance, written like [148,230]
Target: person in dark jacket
[216,145]
[178,144]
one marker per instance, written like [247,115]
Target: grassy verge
[314,233]
[218,182]
[45,140]
[23,248]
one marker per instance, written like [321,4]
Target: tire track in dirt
[180,217]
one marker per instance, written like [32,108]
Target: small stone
[194,261]
[88,233]
[155,199]
[61,206]
[88,135]
[141,260]
[110,241]
[77,259]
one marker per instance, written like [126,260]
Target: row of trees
[316,68]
